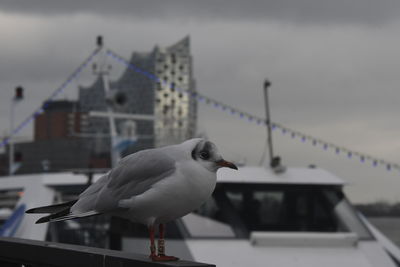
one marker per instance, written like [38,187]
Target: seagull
[151,187]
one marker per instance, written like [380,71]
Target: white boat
[257,217]
[299,217]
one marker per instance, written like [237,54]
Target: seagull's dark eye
[204,155]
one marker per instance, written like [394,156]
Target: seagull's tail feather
[59,212]
[65,215]
[53,208]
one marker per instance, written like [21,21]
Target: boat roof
[303,176]
[246,174]
[48,179]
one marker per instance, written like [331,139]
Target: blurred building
[57,144]
[61,119]
[67,137]
[175,111]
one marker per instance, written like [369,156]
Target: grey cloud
[334,82]
[309,11]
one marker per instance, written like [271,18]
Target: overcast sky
[334,68]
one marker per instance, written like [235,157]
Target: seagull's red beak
[224,163]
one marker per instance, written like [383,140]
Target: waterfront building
[174,109]
[67,137]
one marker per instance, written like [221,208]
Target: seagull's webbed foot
[161,246]
[163,258]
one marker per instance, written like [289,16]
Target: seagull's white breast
[177,195]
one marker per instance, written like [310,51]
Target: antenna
[99,41]
[274,161]
[267,84]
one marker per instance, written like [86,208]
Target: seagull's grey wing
[88,197]
[143,165]
[134,175]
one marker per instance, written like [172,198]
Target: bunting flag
[304,138]
[74,75]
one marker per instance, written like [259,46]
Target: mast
[103,72]
[267,84]
[274,161]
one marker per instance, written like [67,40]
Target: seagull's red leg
[161,247]
[153,255]
[161,241]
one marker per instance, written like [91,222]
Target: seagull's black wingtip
[30,211]
[43,220]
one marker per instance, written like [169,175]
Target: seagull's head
[207,155]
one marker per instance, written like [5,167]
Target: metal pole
[103,72]
[115,156]
[10,141]
[267,84]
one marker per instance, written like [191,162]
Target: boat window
[257,208]
[203,223]
[283,209]
[347,215]
[241,209]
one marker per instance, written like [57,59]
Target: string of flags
[276,127]
[74,75]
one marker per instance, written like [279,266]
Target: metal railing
[31,253]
